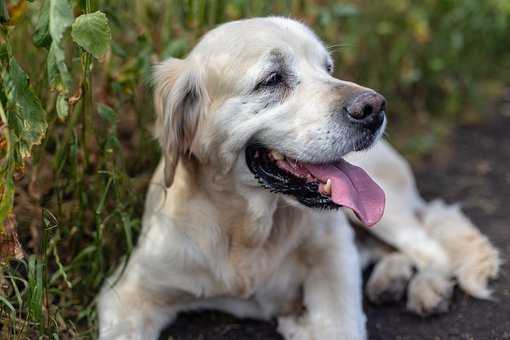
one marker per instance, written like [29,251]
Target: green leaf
[8,305]
[107,113]
[58,73]
[60,18]
[30,120]
[42,37]
[62,107]
[35,288]
[56,16]
[92,33]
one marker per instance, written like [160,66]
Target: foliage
[92,33]
[76,151]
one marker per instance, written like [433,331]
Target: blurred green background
[438,62]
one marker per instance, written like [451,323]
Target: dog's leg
[433,236]
[430,289]
[403,231]
[332,288]
[400,227]
[474,259]
[392,271]
[128,311]
[428,292]
[164,275]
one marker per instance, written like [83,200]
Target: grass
[79,197]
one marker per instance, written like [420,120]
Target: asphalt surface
[472,167]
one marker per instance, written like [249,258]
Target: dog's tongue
[352,187]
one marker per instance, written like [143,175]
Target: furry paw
[303,328]
[389,279]
[429,293]
[478,266]
[475,259]
[292,328]
[474,274]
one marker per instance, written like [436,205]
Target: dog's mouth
[326,186]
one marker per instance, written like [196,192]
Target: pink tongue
[352,187]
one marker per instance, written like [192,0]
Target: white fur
[216,239]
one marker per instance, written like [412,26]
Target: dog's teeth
[276,155]
[327,187]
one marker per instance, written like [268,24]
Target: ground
[472,166]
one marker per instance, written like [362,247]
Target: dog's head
[256,99]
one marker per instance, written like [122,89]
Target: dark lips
[277,180]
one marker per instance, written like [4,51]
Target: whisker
[338,45]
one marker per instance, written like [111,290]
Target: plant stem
[88,6]
[87,93]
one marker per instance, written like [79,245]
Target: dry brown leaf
[10,247]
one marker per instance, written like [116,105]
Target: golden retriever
[249,211]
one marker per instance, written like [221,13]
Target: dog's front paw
[429,293]
[293,328]
[474,259]
[481,265]
[389,279]
[303,328]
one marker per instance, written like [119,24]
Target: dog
[266,159]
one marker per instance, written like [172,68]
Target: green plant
[25,122]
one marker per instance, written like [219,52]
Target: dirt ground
[471,167]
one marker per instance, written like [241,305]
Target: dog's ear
[180,98]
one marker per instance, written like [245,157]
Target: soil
[471,167]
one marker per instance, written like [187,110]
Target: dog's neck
[252,228]
[251,216]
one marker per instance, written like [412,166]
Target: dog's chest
[256,265]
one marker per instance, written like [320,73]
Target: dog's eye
[329,67]
[275,78]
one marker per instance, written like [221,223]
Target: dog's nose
[365,105]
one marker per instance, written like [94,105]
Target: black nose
[365,104]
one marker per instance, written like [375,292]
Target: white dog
[241,216]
